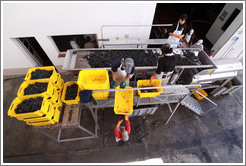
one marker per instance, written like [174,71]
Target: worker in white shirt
[178,31]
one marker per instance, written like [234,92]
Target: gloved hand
[113,83]
[181,36]
[123,84]
[151,79]
[119,123]
[172,34]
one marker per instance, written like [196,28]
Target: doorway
[201,16]
[78,41]
[33,48]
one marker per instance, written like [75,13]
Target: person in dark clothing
[177,31]
[166,65]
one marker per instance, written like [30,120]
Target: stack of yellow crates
[48,113]
[96,79]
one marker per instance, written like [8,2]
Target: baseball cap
[125,136]
[129,63]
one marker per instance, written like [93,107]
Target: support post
[138,101]
[206,98]
[170,108]
[93,115]
[48,135]
[176,109]
[87,131]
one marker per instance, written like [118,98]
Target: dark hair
[183,16]
[166,49]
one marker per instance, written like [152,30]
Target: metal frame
[105,103]
[92,135]
[124,26]
[206,98]
[180,96]
[181,92]
[175,109]
[146,42]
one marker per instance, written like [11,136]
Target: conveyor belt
[75,59]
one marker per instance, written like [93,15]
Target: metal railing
[131,26]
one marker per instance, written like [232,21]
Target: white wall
[42,20]
[227,36]
[233,47]
[215,31]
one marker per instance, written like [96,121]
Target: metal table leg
[87,131]
[48,135]
[138,101]
[59,135]
[95,122]
[207,98]
[175,109]
[170,108]
[76,139]
[93,115]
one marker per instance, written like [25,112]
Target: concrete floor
[215,137]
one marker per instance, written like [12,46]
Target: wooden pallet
[69,117]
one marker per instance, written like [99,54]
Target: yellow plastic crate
[70,102]
[59,83]
[43,110]
[53,77]
[97,79]
[199,97]
[55,99]
[45,117]
[57,114]
[58,102]
[123,103]
[145,83]
[101,95]
[41,123]
[25,84]
[54,119]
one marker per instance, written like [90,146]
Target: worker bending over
[166,65]
[122,72]
[178,31]
[122,133]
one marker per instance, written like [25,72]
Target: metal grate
[192,104]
